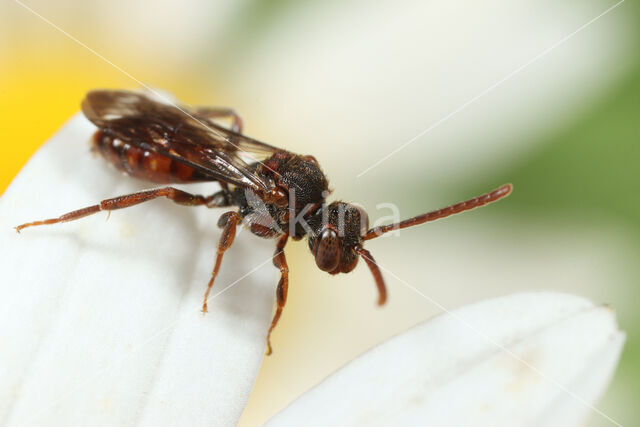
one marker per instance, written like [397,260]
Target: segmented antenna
[476,202]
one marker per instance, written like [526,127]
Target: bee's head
[337,232]
[336,241]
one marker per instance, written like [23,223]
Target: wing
[178,133]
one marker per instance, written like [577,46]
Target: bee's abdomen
[144,164]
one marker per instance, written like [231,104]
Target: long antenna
[476,202]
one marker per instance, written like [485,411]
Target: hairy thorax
[303,182]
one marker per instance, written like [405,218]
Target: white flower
[100,324]
[101,321]
[520,360]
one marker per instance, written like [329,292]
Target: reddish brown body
[281,197]
[142,163]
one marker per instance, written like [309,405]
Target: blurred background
[464,95]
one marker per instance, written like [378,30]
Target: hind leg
[178,196]
[221,112]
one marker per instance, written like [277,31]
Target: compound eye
[364,221]
[327,251]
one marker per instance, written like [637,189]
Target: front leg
[228,221]
[280,261]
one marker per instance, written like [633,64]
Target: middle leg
[228,221]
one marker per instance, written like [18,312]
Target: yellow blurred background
[352,81]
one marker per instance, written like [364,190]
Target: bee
[275,193]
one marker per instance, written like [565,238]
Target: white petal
[524,359]
[100,321]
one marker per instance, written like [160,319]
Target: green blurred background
[504,91]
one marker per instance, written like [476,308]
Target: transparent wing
[179,133]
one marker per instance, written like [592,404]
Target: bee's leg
[178,196]
[221,112]
[280,261]
[228,222]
